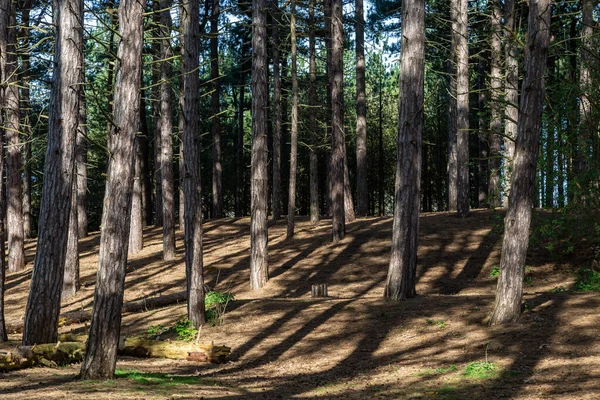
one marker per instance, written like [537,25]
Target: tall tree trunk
[71,272]
[452,110]
[166,129]
[159,60]
[511,89]
[8,54]
[259,264]
[146,169]
[105,328]
[26,110]
[507,307]
[337,122]
[402,272]
[81,163]
[43,305]
[191,164]
[136,229]
[494,138]
[276,193]
[381,158]
[483,144]
[586,121]
[312,103]
[362,192]
[239,166]
[3,332]
[217,169]
[462,111]
[294,128]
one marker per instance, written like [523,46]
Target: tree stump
[319,290]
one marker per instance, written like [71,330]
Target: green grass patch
[152,378]
[588,280]
[481,370]
[440,324]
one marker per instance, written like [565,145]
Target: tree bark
[217,168]
[101,350]
[259,264]
[43,305]
[337,121]
[402,276]
[136,229]
[71,273]
[81,162]
[362,192]
[3,264]
[507,307]
[494,138]
[452,110]
[191,164]
[26,110]
[294,127]
[312,103]
[462,111]
[583,152]
[276,193]
[8,54]
[166,129]
[511,89]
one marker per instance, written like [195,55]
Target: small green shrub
[184,329]
[440,324]
[588,280]
[495,271]
[481,370]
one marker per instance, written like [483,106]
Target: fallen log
[71,348]
[50,355]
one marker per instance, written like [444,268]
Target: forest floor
[353,344]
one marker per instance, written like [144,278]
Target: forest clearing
[353,344]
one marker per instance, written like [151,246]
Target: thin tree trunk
[312,103]
[239,167]
[14,217]
[217,183]
[166,129]
[337,121]
[294,128]
[3,332]
[71,274]
[191,165]
[160,60]
[362,192]
[136,229]
[583,152]
[507,307]
[81,164]
[494,138]
[452,110]
[26,110]
[43,305]
[462,111]
[402,272]
[483,144]
[276,193]
[511,89]
[259,265]
[146,170]
[105,328]
[381,158]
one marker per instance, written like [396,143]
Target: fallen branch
[50,355]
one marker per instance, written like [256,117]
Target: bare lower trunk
[43,305]
[81,165]
[191,165]
[8,54]
[276,194]
[294,128]
[166,141]
[26,111]
[362,193]
[507,307]
[462,112]
[259,265]
[337,121]
[402,278]
[71,274]
[312,102]
[452,112]
[217,168]
[511,86]
[3,332]
[136,230]
[494,138]
[101,350]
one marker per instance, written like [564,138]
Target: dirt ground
[352,345]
